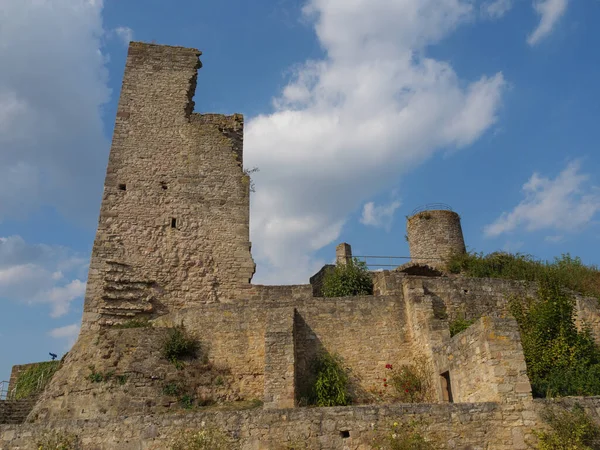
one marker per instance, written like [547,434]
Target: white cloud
[496,9]
[379,216]
[550,11]
[125,34]
[68,332]
[52,86]
[40,274]
[564,204]
[348,126]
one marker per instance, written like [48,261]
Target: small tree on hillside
[352,278]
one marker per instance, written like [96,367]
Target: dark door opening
[446,387]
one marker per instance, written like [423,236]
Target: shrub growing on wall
[569,429]
[561,360]
[178,345]
[331,382]
[344,280]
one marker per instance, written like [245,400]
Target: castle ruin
[172,248]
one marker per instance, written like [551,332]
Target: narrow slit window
[122,187]
[173,222]
[345,434]
[163,185]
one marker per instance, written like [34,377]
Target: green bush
[572,430]
[35,378]
[567,271]
[177,345]
[561,360]
[208,438]
[349,279]
[331,383]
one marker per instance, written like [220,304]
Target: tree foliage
[350,279]
[569,429]
[561,360]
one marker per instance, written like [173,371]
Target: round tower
[434,233]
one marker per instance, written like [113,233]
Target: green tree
[350,279]
[561,360]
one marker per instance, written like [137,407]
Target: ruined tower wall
[174,222]
[433,236]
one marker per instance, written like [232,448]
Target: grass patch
[35,378]
[567,271]
[569,429]
[134,323]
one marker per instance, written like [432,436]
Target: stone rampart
[492,426]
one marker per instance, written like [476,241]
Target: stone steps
[16,411]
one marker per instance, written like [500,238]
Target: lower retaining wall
[451,426]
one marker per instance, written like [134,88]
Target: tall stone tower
[174,223]
[434,234]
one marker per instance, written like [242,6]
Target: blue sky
[356,113]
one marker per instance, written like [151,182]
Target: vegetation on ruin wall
[208,438]
[568,429]
[35,378]
[58,440]
[561,360]
[403,436]
[567,271]
[177,345]
[346,280]
[460,324]
[330,387]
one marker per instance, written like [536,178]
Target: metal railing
[3,390]
[386,262]
[431,207]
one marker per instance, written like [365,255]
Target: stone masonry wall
[433,236]
[466,426]
[471,298]
[366,332]
[486,363]
[174,221]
